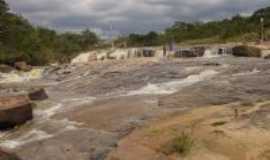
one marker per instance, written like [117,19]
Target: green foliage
[150,39]
[181,144]
[19,40]
[237,28]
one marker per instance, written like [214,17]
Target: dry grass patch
[181,145]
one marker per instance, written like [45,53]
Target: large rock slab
[14,110]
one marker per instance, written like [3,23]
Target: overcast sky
[127,16]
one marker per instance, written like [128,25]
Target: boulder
[185,53]
[148,53]
[14,110]
[38,94]
[5,68]
[5,155]
[267,57]
[246,51]
[199,51]
[23,66]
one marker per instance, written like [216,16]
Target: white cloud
[127,15]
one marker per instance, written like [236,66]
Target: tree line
[238,28]
[21,41]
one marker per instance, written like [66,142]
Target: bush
[246,51]
[181,144]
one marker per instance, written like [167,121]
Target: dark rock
[148,53]
[267,57]
[5,68]
[23,66]
[38,94]
[199,51]
[212,64]
[187,53]
[246,51]
[14,110]
[5,155]
[190,53]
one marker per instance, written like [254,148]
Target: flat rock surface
[92,107]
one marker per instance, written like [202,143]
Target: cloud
[127,16]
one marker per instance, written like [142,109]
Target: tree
[3,7]
[88,39]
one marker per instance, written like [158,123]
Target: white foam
[174,86]
[48,113]
[210,53]
[21,76]
[254,71]
[31,136]
[59,107]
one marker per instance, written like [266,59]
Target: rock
[14,110]
[38,94]
[5,155]
[199,51]
[246,51]
[148,53]
[22,66]
[5,68]
[185,53]
[212,64]
[267,57]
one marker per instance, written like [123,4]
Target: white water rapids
[173,86]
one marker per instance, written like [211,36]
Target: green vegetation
[20,41]
[181,144]
[235,29]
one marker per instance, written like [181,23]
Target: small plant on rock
[181,144]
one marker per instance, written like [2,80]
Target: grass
[181,145]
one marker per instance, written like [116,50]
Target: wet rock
[5,68]
[246,51]
[23,66]
[14,110]
[38,94]
[199,51]
[211,64]
[188,53]
[267,57]
[5,155]
[81,144]
[148,53]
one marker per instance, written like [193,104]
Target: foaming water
[48,113]
[210,53]
[62,106]
[173,86]
[43,118]
[21,76]
[254,71]
[31,136]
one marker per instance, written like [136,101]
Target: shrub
[181,144]
[246,51]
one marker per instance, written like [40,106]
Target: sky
[127,16]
